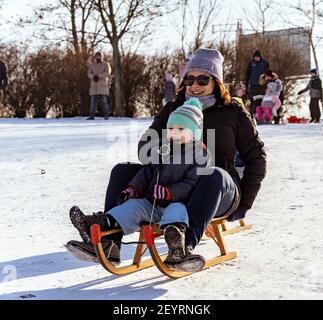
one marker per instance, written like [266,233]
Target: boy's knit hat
[189,116]
[207,60]
[314,71]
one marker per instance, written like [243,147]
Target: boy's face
[179,134]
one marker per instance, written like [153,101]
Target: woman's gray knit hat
[207,60]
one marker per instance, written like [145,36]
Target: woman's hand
[237,215]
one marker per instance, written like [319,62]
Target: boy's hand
[129,193]
[162,193]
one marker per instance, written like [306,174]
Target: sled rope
[154,205]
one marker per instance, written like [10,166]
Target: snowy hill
[47,166]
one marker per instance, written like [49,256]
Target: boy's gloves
[162,193]
[129,193]
[237,215]
[96,78]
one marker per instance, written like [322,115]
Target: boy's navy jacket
[234,131]
[180,177]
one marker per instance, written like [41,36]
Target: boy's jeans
[105,103]
[131,214]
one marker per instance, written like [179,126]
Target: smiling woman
[222,192]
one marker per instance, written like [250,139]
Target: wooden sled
[146,241]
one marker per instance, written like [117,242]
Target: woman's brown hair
[220,92]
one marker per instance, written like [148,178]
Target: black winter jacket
[234,130]
[254,70]
[180,177]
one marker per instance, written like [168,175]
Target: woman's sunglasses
[201,80]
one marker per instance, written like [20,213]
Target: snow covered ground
[280,258]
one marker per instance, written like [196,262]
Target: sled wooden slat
[146,241]
[226,230]
[243,227]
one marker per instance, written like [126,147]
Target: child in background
[239,96]
[270,103]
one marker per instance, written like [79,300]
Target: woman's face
[196,89]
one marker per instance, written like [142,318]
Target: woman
[222,192]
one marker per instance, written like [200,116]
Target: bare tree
[180,25]
[121,19]
[312,12]
[1,4]
[196,19]
[74,21]
[206,14]
[257,19]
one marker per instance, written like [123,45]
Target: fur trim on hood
[262,79]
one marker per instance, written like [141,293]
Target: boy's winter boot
[175,239]
[85,251]
[83,223]
[179,258]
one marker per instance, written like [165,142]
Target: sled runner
[147,237]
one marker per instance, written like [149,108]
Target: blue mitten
[237,215]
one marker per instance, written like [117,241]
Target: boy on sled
[157,194]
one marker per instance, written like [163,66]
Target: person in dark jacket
[315,88]
[159,191]
[256,67]
[169,89]
[233,130]
[3,77]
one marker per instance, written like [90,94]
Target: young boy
[158,194]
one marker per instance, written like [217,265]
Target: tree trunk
[118,87]
[74,28]
[315,55]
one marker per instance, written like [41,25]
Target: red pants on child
[261,111]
